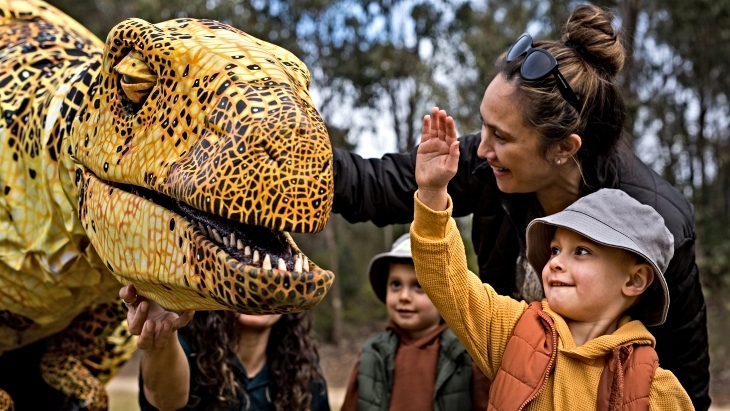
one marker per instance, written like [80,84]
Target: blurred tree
[684,94]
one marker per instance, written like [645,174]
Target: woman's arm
[381,189]
[166,376]
[682,340]
[164,366]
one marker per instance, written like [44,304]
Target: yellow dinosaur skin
[214,126]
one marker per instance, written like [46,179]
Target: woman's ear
[567,148]
[641,277]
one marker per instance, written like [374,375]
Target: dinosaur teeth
[217,236]
[258,258]
[297,264]
[306,264]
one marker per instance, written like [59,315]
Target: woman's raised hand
[437,159]
[152,323]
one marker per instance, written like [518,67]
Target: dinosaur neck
[46,72]
[65,110]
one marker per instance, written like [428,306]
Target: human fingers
[162,334]
[128,294]
[425,128]
[434,122]
[139,317]
[441,115]
[147,336]
[183,319]
[452,162]
[450,130]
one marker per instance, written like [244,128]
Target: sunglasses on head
[537,64]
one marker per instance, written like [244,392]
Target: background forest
[379,65]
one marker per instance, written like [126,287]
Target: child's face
[408,305]
[584,280]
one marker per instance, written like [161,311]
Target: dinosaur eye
[137,80]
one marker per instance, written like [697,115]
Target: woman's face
[257,322]
[511,148]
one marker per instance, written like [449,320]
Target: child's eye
[581,251]
[554,251]
[394,284]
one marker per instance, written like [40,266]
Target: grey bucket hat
[379,266]
[613,218]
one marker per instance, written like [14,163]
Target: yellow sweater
[483,321]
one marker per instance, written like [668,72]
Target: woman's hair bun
[589,31]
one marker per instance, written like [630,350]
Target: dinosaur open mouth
[251,245]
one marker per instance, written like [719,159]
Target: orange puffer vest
[530,355]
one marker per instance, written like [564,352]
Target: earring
[557,161]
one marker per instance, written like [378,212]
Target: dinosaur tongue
[252,245]
[249,244]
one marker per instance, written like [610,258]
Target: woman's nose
[484,150]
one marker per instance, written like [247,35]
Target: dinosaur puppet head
[199,148]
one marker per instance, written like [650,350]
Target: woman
[223,360]
[552,128]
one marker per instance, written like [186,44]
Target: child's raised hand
[437,159]
[153,324]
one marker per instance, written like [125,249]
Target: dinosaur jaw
[176,255]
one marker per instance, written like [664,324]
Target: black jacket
[381,191]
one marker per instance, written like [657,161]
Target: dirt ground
[337,363]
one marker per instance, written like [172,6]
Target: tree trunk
[629,10]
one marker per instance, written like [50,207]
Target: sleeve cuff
[428,223]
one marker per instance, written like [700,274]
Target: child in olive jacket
[417,363]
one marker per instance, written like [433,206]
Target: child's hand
[437,159]
[152,323]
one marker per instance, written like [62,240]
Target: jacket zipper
[549,369]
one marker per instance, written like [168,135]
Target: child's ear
[641,277]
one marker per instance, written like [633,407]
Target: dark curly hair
[291,353]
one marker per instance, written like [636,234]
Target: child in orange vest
[585,346]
